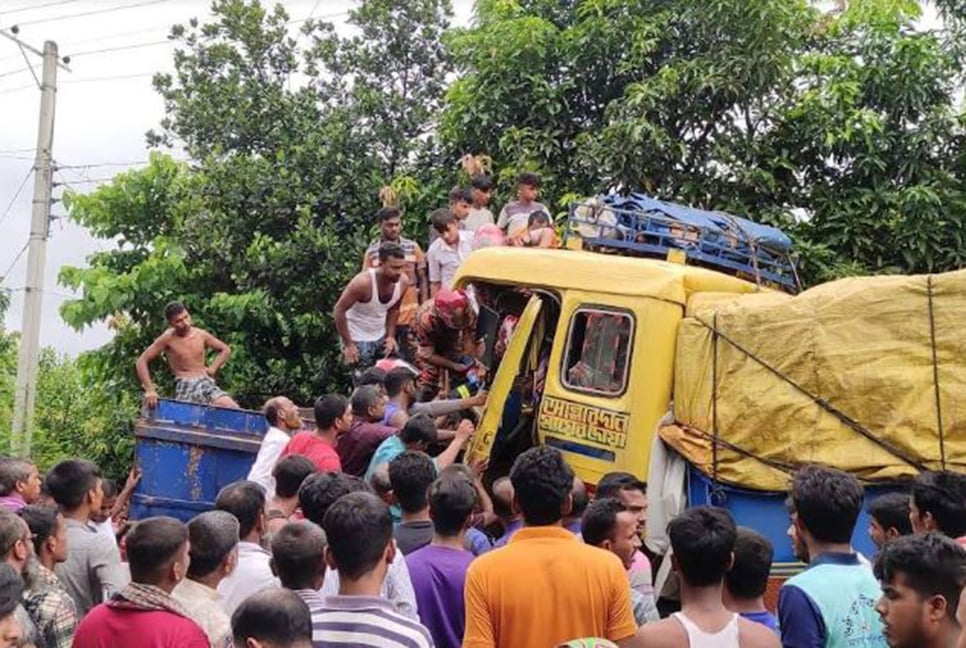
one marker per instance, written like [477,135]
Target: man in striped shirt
[359,531]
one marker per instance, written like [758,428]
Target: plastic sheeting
[867,375]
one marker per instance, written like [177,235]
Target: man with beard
[390,231]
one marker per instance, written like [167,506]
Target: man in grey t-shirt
[93,569]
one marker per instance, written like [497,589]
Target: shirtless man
[184,346]
[368,309]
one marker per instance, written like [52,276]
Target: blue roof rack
[638,225]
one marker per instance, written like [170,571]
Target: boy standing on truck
[513,217]
[832,602]
[185,347]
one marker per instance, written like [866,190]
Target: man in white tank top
[366,313]
[702,543]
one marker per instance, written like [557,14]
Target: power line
[15,259]
[92,13]
[117,77]
[100,164]
[17,71]
[36,6]
[13,200]
[120,48]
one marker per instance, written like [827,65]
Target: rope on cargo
[843,418]
[935,374]
[771,463]
[714,400]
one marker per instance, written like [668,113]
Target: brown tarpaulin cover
[885,355]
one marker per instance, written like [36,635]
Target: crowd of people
[377,543]
[364,526]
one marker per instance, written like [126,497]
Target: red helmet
[449,302]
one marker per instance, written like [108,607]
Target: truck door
[516,358]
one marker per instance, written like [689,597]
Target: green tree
[260,232]
[840,126]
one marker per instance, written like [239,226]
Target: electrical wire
[16,195]
[17,71]
[36,6]
[117,77]
[15,259]
[134,5]
[119,48]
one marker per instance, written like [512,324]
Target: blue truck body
[188,452]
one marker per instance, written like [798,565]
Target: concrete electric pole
[26,392]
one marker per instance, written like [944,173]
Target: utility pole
[26,392]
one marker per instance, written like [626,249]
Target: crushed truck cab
[714,388]
[597,335]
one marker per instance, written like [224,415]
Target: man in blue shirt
[832,603]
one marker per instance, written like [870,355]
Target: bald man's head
[503,499]
[282,413]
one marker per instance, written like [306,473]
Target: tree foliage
[261,230]
[843,126]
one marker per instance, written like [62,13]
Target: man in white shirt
[246,501]
[448,251]
[284,420]
[213,544]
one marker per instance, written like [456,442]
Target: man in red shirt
[332,418]
[144,614]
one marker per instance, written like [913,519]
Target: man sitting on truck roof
[703,540]
[185,347]
[922,578]
[832,602]
[938,503]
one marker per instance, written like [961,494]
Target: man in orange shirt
[568,589]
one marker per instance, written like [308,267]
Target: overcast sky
[104,108]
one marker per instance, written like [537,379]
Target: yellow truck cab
[589,368]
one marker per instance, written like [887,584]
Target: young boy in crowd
[745,584]
[703,541]
[922,579]
[481,188]
[938,504]
[448,251]
[889,518]
[832,602]
[438,571]
[538,233]
[515,215]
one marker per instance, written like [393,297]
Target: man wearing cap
[445,333]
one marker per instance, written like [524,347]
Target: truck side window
[598,351]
